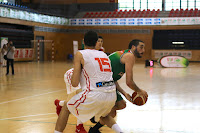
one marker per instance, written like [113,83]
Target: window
[172,4]
[184,4]
[4,1]
[137,4]
[143,4]
[125,4]
[155,4]
[198,4]
[140,4]
[191,4]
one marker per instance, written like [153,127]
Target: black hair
[134,42]
[90,38]
[100,37]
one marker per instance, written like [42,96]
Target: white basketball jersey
[96,70]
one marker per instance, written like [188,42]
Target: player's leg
[110,122]
[59,104]
[120,104]
[62,119]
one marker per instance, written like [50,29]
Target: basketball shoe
[93,131]
[93,120]
[58,107]
[80,129]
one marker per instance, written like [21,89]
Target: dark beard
[137,54]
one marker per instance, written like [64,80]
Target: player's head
[99,43]
[137,47]
[90,38]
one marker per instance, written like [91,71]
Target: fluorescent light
[177,42]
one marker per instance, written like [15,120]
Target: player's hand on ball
[139,98]
[128,97]
[143,93]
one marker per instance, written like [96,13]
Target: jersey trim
[84,95]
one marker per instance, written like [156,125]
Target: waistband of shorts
[104,90]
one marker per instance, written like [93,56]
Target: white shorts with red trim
[88,104]
[67,79]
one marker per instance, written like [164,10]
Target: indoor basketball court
[46,35]
[173,106]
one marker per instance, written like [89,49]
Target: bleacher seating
[143,13]
[184,13]
[14,5]
[122,14]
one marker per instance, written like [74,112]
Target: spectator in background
[3,52]
[10,56]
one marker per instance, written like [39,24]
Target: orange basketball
[138,100]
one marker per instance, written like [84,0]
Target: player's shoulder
[128,58]
[128,55]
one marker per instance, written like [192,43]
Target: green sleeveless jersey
[118,68]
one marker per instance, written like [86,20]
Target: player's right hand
[142,93]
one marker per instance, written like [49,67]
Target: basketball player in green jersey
[123,62]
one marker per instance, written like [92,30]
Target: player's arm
[12,48]
[118,87]
[129,61]
[77,69]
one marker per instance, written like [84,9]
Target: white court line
[27,116]
[31,96]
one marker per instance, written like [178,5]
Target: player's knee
[113,112]
[121,105]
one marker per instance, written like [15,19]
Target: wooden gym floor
[27,99]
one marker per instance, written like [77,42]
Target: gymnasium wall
[54,1]
[112,41]
[70,1]
[69,8]
[97,1]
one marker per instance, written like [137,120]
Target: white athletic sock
[61,103]
[57,131]
[79,122]
[116,128]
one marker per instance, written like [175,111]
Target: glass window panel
[144,4]
[137,4]
[184,4]
[128,4]
[172,4]
[176,4]
[155,4]
[168,5]
[158,5]
[191,4]
[198,4]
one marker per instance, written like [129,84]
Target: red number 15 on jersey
[103,62]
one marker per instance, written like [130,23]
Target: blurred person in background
[10,56]
[4,52]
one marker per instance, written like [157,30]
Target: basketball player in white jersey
[71,89]
[92,70]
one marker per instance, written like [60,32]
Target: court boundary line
[27,116]
[30,96]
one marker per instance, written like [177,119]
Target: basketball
[137,100]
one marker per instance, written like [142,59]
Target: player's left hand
[128,97]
